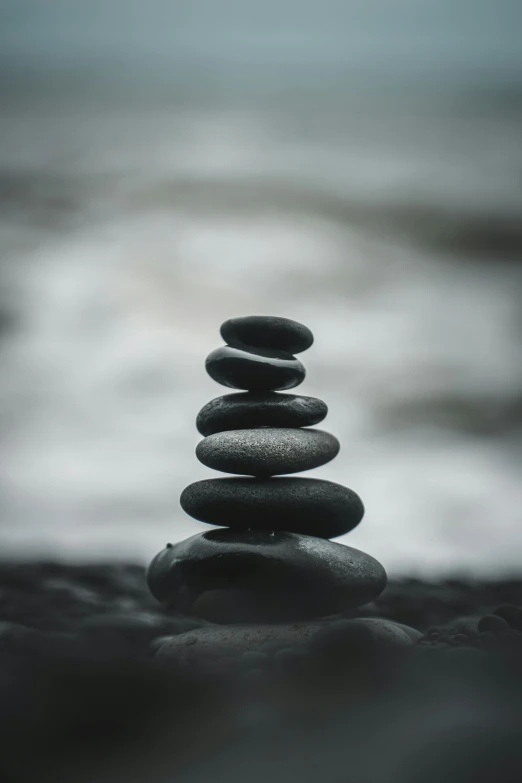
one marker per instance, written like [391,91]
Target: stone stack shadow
[269,560]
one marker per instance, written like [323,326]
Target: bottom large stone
[242,576]
[213,641]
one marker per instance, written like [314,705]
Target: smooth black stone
[267,331]
[344,637]
[240,639]
[291,644]
[248,410]
[300,505]
[511,614]
[268,451]
[232,576]
[254,369]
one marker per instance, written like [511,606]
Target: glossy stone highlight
[301,505]
[257,576]
[254,369]
[268,451]
[267,331]
[249,410]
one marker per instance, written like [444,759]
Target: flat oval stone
[412,633]
[238,576]
[214,641]
[345,635]
[267,331]
[254,369]
[268,451]
[301,505]
[248,410]
[217,640]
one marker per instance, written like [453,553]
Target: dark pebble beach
[83,696]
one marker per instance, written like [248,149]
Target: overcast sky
[236,40]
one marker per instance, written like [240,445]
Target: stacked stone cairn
[268,570]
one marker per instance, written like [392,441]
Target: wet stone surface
[267,452]
[302,505]
[73,706]
[248,410]
[229,576]
[267,331]
[248,638]
[286,641]
[254,369]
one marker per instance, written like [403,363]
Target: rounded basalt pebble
[267,452]
[158,642]
[349,635]
[224,605]
[413,633]
[254,369]
[313,507]
[511,614]
[229,576]
[492,623]
[248,410]
[237,640]
[267,331]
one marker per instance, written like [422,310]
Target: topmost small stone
[267,331]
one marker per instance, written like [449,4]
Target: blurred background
[353,164]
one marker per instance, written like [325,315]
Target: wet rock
[229,576]
[268,451]
[254,369]
[413,634]
[248,410]
[236,640]
[299,505]
[347,636]
[267,331]
[511,614]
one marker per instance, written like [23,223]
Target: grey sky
[407,39]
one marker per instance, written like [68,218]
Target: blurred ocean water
[139,212]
